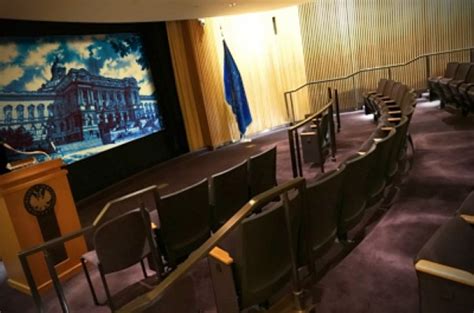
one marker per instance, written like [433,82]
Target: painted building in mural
[79,110]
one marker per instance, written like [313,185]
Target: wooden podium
[36,205]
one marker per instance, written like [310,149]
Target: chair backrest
[451,69]
[470,75]
[262,171]
[387,90]
[381,85]
[323,199]
[184,220]
[402,91]
[399,139]
[395,89]
[462,71]
[409,99]
[354,190]
[379,168]
[122,241]
[261,253]
[228,192]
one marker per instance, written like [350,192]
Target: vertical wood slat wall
[269,63]
[318,40]
[381,32]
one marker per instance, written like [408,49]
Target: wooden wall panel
[327,48]
[447,28]
[270,64]
[342,36]
[318,40]
[185,76]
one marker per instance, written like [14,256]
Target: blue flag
[235,92]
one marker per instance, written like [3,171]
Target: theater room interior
[237,156]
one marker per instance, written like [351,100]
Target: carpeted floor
[378,275]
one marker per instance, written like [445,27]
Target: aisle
[378,275]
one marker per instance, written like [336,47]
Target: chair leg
[410,140]
[106,288]
[142,264]
[88,278]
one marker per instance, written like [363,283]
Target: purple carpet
[378,275]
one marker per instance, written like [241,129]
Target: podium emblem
[40,200]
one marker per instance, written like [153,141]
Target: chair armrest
[468,218]
[387,128]
[394,112]
[392,106]
[470,86]
[390,102]
[445,272]
[394,119]
[221,255]
[385,98]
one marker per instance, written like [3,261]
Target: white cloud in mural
[35,83]
[9,74]
[37,57]
[8,53]
[128,67]
[80,46]
[46,73]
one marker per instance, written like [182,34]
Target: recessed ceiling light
[232,4]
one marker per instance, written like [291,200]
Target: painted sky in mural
[76,96]
[25,63]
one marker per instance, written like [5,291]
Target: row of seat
[455,86]
[185,220]
[445,265]
[333,204]
[188,216]
[260,247]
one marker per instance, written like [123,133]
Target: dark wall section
[90,175]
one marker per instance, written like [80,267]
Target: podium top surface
[29,173]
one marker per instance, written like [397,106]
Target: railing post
[428,68]
[338,115]
[332,133]
[31,283]
[320,144]
[292,153]
[56,282]
[287,108]
[390,73]
[297,286]
[356,96]
[293,117]
[298,154]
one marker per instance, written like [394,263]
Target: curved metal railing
[288,94]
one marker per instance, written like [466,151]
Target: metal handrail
[377,68]
[148,299]
[288,94]
[145,301]
[44,247]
